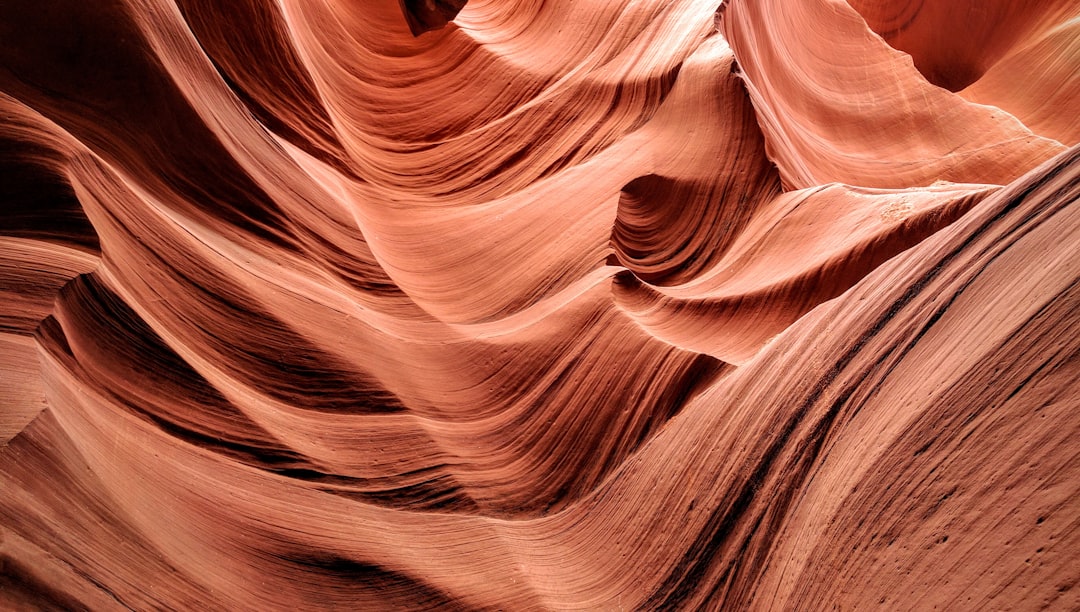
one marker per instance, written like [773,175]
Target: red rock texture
[593,305]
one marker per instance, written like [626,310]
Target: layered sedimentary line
[519,305]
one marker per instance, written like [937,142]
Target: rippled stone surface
[575,304]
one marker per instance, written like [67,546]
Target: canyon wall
[521,305]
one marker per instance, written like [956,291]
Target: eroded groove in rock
[604,304]
[837,103]
[980,33]
[426,15]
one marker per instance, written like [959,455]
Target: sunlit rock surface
[574,304]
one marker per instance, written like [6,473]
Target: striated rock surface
[603,305]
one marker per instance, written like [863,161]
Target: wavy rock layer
[560,305]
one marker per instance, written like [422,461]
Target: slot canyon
[539,304]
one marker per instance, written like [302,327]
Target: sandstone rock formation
[601,305]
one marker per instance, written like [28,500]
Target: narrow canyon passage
[539,305]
